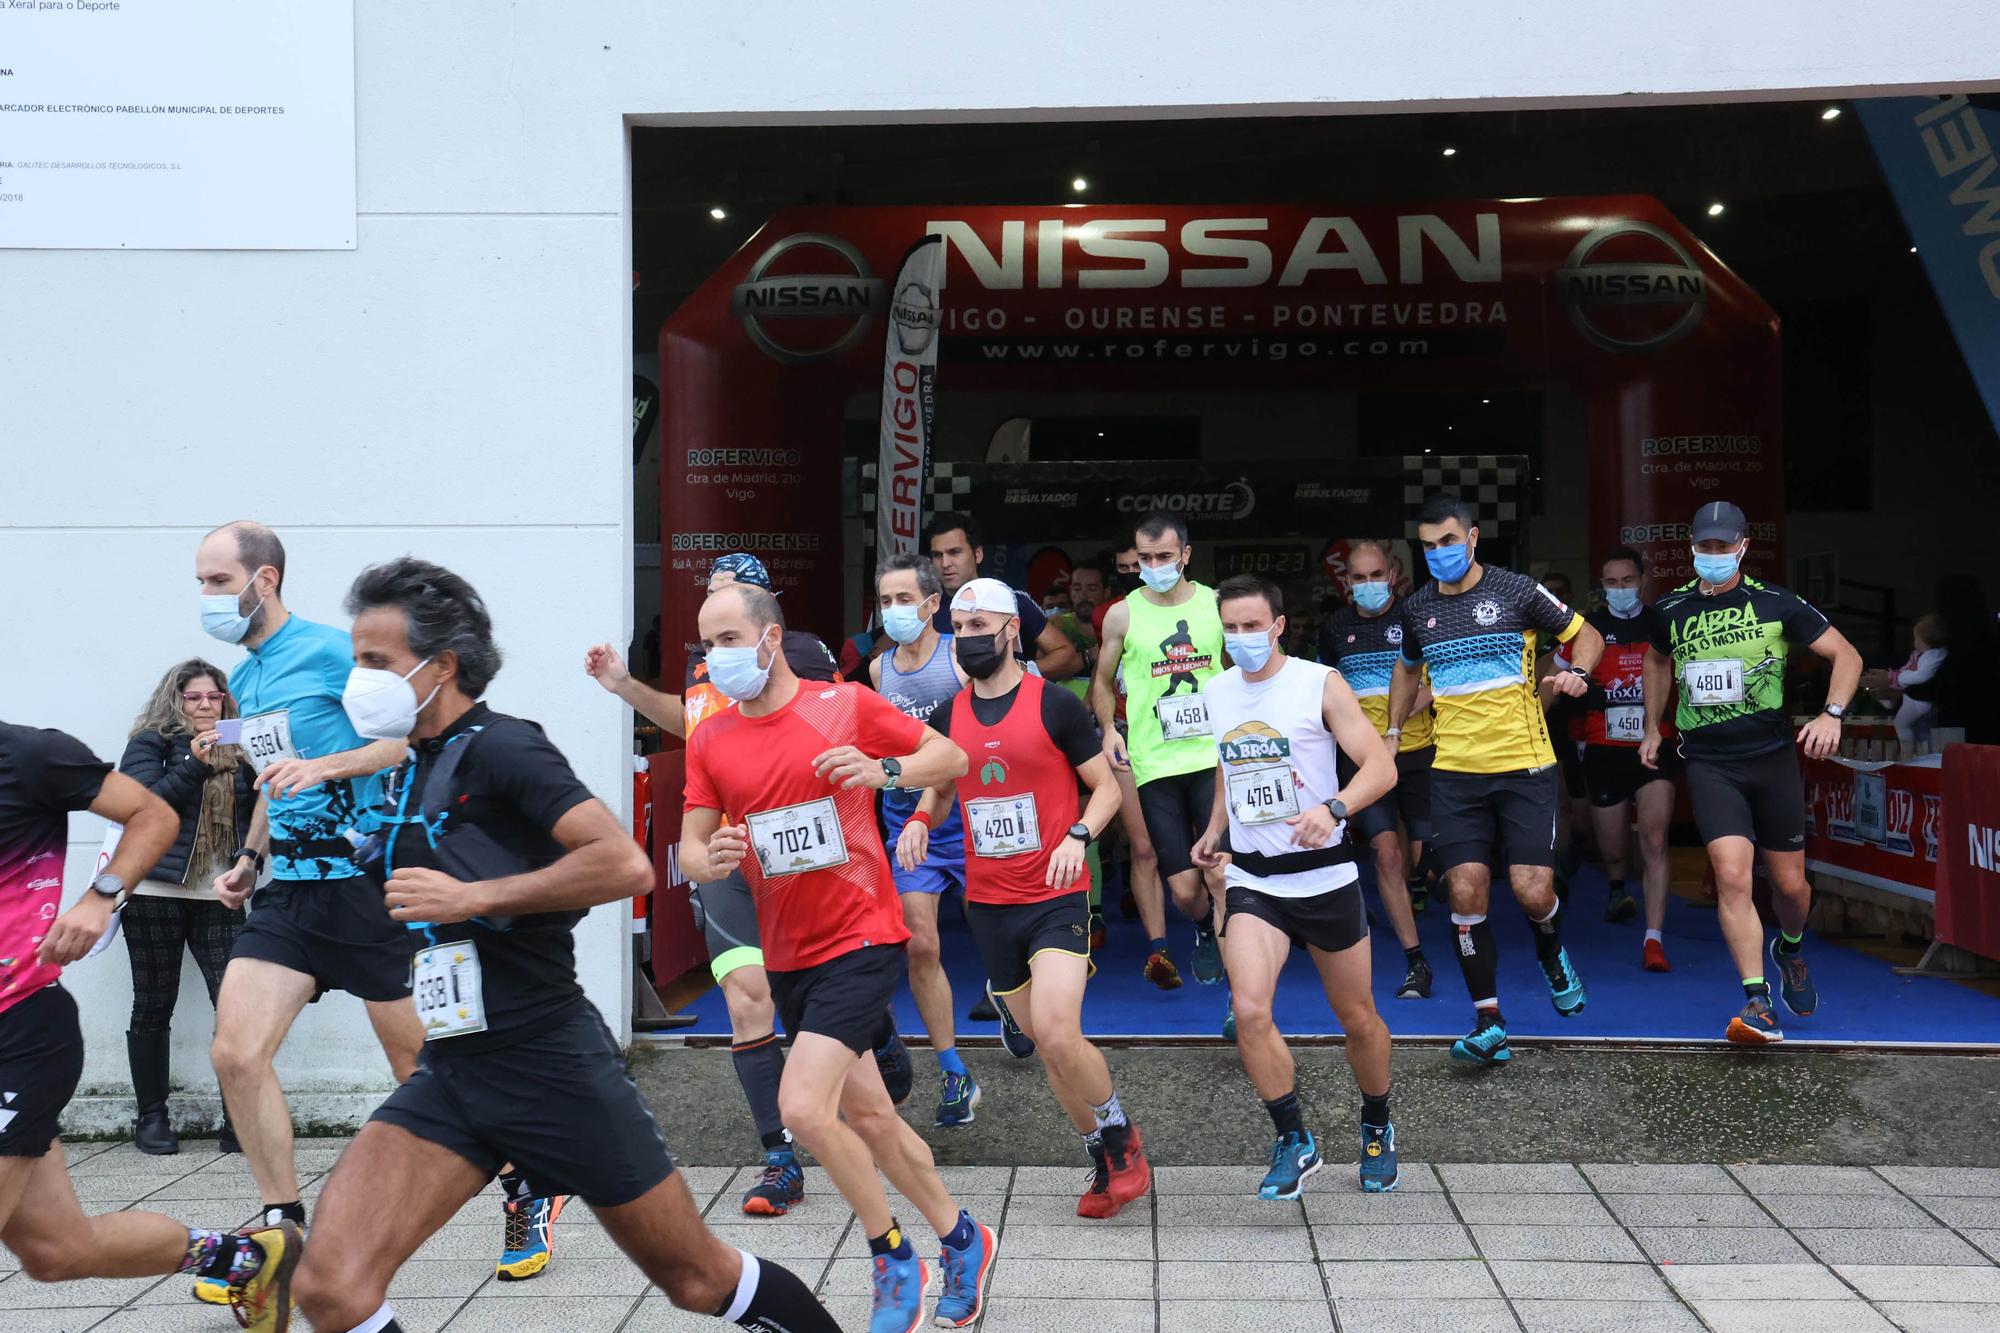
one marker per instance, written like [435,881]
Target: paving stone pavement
[1533,1247]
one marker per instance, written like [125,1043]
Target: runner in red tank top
[799,764]
[1027,886]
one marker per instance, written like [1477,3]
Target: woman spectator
[175,754]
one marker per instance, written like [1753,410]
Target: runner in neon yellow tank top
[1165,641]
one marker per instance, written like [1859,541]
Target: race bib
[1717,682]
[1263,795]
[1003,826]
[448,991]
[267,738]
[1627,722]
[796,838]
[1182,717]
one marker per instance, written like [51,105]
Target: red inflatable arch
[1677,359]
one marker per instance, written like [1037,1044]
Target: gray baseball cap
[1718,521]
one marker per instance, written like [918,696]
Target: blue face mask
[1622,601]
[1717,568]
[1161,578]
[904,624]
[738,673]
[1373,597]
[1249,651]
[1449,563]
[222,615]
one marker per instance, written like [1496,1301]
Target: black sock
[760,1064]
[770,1299]
[1756,988]
[1478,958]
[1788,945]
[1415,884]
[1413,955]
[1549,939]
[1617,888]
[515,1186]
[891,1242]
[1286,1116]
[1375,1110]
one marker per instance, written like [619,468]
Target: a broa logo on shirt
[993,771]
[1255,743]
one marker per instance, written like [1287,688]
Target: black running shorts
[845,998]
[559,1105]
[41,1060]
[1177,810]
[1330,921]
[336,931]
[1501,819]
[1009,935]
[1761,798]
[1569,758]
[1614,774]
[1409,803]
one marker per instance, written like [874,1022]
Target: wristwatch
[1081,832]
[1836,711]
[109,885]
[892,769]
[1335,807]
[1392,733]
[256,858]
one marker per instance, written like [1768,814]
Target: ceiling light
[1486,400]
[1715,210]
[1831,113]
[1079,185]
[1913,249]
[718,212]
[1100,435]
[1451,152]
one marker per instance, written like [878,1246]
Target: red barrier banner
[1968,901]
[677,945]
[1876,824]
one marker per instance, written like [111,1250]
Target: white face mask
[383,705]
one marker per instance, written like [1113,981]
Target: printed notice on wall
[177,124]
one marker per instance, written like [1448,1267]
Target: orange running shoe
[1655,956]
[1160,970]
[1756,1025]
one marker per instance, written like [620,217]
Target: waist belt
[312,849]
[1294,863]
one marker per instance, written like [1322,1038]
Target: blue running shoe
[1018,1043]
[899,1075]
[529,1242]
[1484,1045]
[1207,956]
[1293,1158]
[1229,1021]
[899,1294]
[782,1185]
[1795,985]
[966,1273]
[1378,1158]
[955,1106]
[1565,986]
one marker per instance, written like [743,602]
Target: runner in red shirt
[1027,885]
[800,764]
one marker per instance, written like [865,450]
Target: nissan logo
[854,294]
[1676,282]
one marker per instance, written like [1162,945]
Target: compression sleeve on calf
[746,1290]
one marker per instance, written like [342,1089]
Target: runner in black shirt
[493,851]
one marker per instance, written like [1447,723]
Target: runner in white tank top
[1280,819]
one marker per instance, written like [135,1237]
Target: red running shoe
[1656,957]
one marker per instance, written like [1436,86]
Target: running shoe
[1654,957]
[1207,956]
[263,1303]
[1565,986]
[1229,1020]
[782,1185]
[1160,970]
[899,1294]
[1416,983]
[1795,985]
[1620,907]
[1757,1025]
[1293,1158]
[1018,1043]
[1097,935]
[1096,1200]
[530,1238]
[1378,1158]
[211,1291]
[1484,1045]
[1420,897]
[966,1273]
[1125,1173]
[982,1010]
[960,1097]
[899,1075]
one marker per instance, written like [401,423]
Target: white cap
[986,595]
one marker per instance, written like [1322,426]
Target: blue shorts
[933,876]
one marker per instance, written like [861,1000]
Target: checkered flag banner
[1490,483]
[948,490]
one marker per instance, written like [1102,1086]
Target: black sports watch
[1836,711]
[893,770]
[1335,807]
[108,885]
[1081,832]
[256,858]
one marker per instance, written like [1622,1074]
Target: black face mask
[1127,583]
[980,654]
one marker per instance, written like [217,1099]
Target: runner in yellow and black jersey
[1493,786]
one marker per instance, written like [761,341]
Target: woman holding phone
[175,753]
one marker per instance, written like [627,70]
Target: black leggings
[156,930]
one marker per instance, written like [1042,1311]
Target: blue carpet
[1861,999]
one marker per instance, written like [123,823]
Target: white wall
[457,386]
